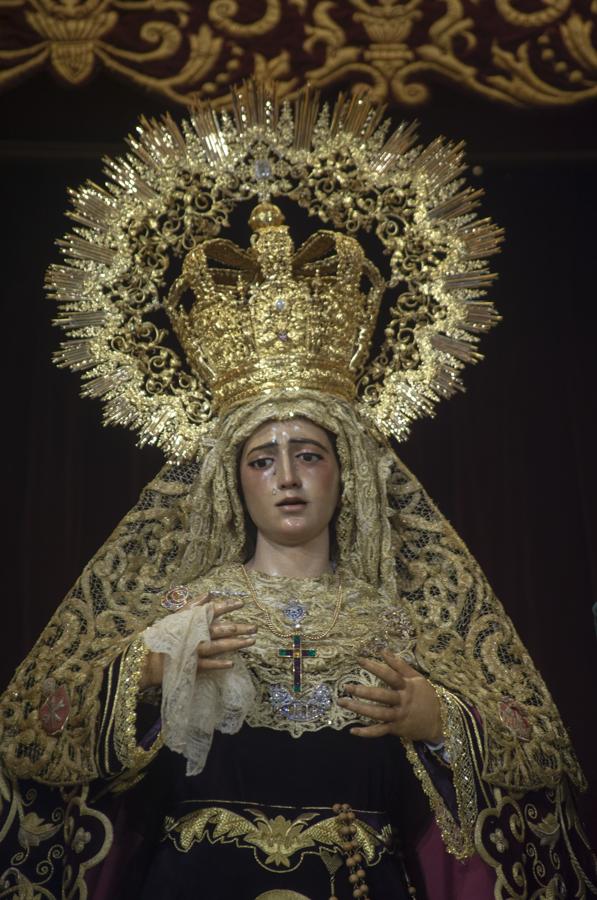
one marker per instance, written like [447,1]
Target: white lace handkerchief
[195,704]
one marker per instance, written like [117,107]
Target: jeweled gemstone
[176,598]
[280,304]
[283,335]
[294,611]
[262,168]
[309,708]
[55,711]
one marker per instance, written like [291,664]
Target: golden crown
[272,317]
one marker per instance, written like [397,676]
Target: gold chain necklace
[297,628]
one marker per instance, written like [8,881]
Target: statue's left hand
[408,707]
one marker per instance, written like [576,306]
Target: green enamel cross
[297,655]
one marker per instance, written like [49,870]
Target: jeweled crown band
[282,373]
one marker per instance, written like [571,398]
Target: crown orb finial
[266,215]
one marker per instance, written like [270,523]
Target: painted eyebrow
[274,444]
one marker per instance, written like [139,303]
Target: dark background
[511,464]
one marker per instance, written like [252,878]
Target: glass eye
[262,463]
[309,456]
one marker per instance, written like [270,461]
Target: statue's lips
[291,503]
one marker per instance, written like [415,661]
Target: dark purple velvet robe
[117,840]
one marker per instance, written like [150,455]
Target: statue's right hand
[225,638]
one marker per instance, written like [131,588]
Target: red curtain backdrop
[532,53]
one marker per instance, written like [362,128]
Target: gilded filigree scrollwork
[541,53]
[343,168]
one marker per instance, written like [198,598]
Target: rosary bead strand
[350,848]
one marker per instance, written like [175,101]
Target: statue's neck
[309,560]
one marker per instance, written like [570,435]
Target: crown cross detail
[272,316]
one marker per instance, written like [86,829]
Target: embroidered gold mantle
[186,520]
[188,527]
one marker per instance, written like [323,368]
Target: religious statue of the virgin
[283,677]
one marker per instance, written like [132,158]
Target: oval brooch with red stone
[55,710]
[513,716]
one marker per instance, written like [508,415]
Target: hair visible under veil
[190,519]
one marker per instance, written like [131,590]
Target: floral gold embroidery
[33,830]
[280,838]
[364,612]
[539,837]
[80,840]
[547,830]
[276,842]
[497,837]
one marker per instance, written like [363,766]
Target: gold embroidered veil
[273,332]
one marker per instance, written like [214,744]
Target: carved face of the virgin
[290,480]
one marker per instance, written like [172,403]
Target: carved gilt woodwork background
[529,53]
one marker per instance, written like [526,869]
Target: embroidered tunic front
[260,814]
